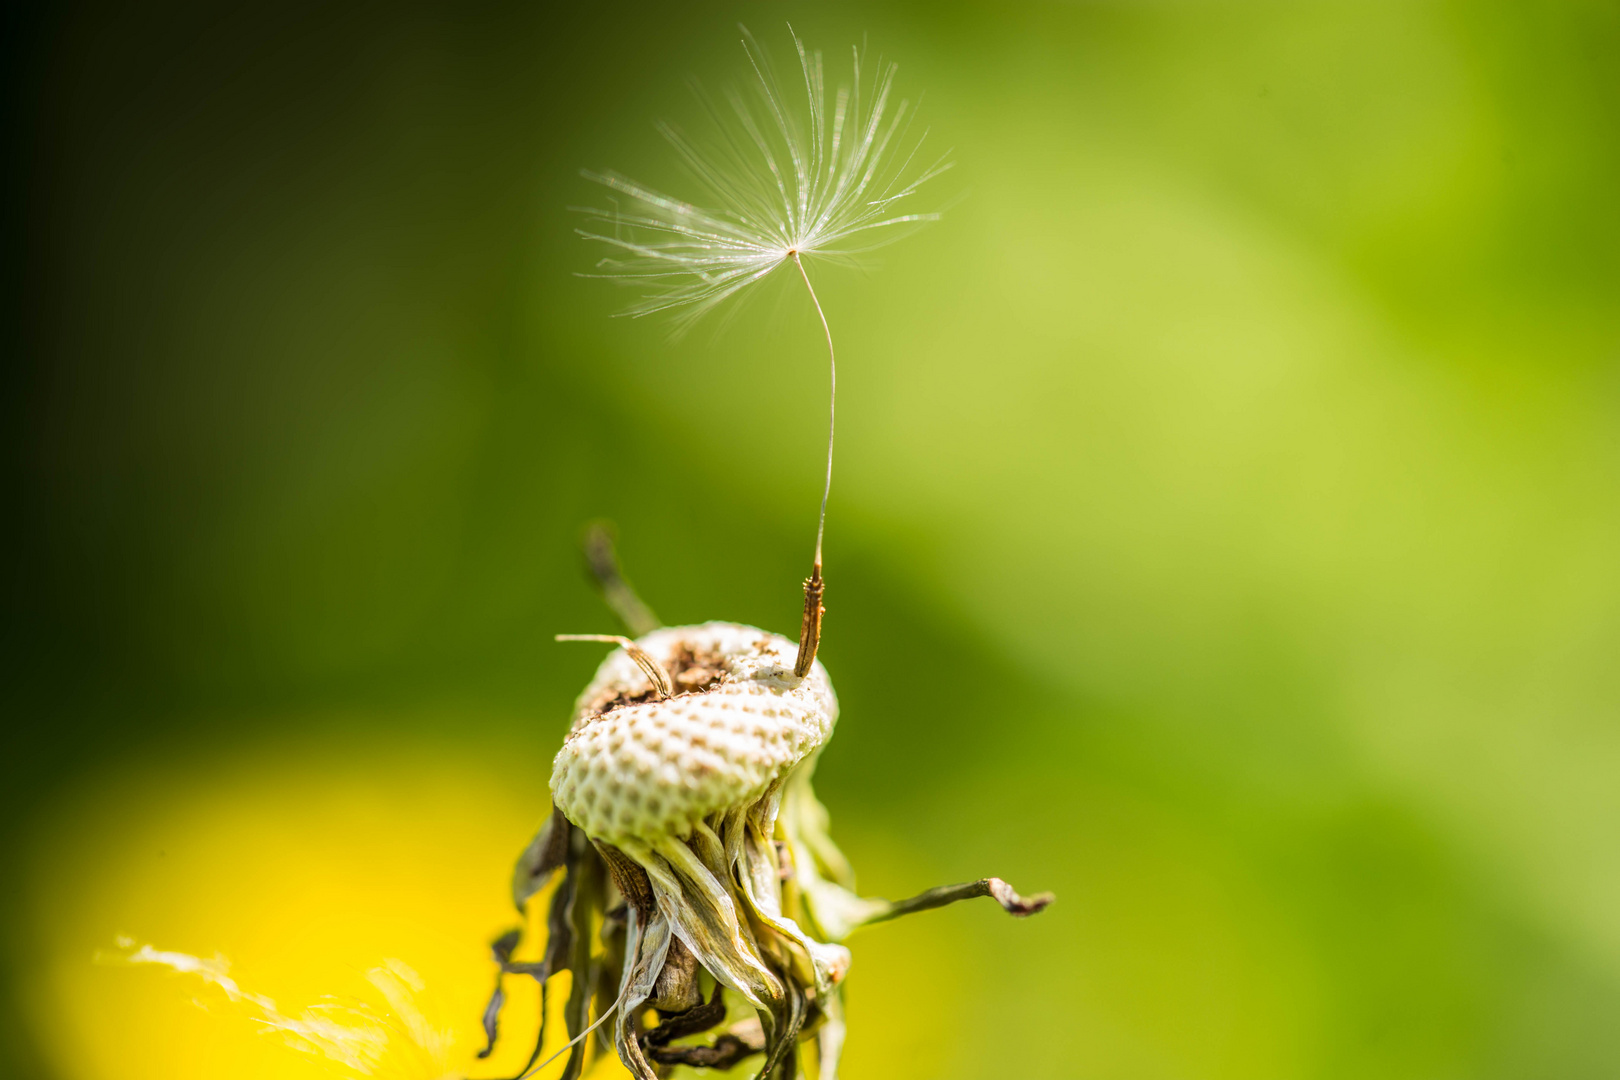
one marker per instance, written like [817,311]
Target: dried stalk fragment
[942,895]
[602,558]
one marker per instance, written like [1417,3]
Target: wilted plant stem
[810,628]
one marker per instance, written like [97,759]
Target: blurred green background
[1226,532]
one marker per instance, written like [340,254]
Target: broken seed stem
[810,625]
[654,671]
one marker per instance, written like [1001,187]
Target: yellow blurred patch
[351,887]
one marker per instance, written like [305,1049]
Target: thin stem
[600,1020]
[810,626]
[832,402]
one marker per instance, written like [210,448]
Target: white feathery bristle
[781,179]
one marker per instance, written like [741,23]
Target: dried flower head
[686,823]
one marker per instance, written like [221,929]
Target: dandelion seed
[784,184]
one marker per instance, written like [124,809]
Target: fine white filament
[779,182]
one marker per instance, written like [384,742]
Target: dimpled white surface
[652,770]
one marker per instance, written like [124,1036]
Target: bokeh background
[1226,534]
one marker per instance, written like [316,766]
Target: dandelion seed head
[746,726]
[782,174]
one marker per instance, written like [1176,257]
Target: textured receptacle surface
[636,768]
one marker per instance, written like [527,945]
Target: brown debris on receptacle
[695,671]
[692,671]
